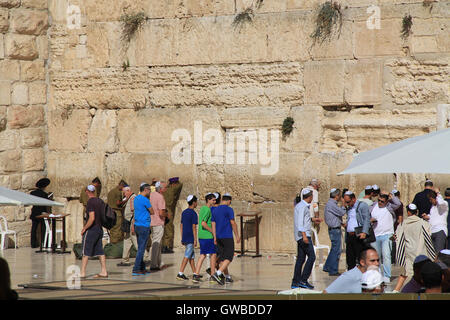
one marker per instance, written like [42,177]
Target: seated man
[416,284]
[350,281]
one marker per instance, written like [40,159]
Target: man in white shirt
[383,218]
[437,219]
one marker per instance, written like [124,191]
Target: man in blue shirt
[189,221]
[141,227]
[223,225]
[302,234]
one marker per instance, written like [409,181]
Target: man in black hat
[38,210]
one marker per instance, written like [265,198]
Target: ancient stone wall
[193,67]
[23,100]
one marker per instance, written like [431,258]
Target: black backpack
[108,217]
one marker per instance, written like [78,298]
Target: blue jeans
[303,250]
[142,234]
[384,246]
[332,264]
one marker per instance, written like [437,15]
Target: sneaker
[155,269]
[295,286]
[218,278]
[182,277]
[306,285]
[140,273]
[196,278]
[229,280]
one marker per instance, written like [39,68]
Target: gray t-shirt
[348,282]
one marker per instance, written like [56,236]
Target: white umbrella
[10,197]
[429,153]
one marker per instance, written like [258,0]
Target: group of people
[375,231]
[141,219]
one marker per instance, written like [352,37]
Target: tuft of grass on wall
[287,126]
[328,21]
[406,26]
[131,24]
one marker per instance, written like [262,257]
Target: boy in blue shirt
[223,225]
[189,221]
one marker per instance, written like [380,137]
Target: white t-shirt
[385,221]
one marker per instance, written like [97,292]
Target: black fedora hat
[42,183]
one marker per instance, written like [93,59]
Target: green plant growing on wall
[131,24]
[406,26]
[126,65]
[328,18]
[287,126]
[243,17]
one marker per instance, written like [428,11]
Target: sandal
[97,276]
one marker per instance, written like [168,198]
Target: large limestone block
[33,160]
[21,47]
[364,84]
[29,180]
[102,10]
[32,70]
[324,82]
[102,134]
[30,22]
[68,129]
[10,161]
[38,92]
[22,117]
[97,45]
[339,46]
[5,92]
[385,41]
[9,70]
[42,45]
[32,137]
[245,117]
[19,94]
[8,140]
[78,168]
[2,47]
[4,20]
[36,4]
[424,44]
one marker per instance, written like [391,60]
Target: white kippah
[412,206]
[348,193]
[305,191]
[216,195]
[394,191]
[332,190]
[143,183]
[368,188]
[375,187]
[158,184]
[227,195]
[91,188]
[189,197]
[445,251]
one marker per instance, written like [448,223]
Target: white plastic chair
[318,246]
[5,231]
[48,234]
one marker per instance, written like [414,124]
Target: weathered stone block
[33,160]
[36,4]
[9,70]
[68,129]
[324,82]
[32,137]
[385,41]
[363,85]
[38,93]
[102,134]
[22,117]
[424,44]
[2,47]
[29,179]
[9,3]
[42,45]
[5,93]
[21,47]
[15,182]
[10,161]
[8,140]
[19,94]
[32,70]
[4,20]
[78,168]
[31,22]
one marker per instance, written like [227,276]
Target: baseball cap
[371,279]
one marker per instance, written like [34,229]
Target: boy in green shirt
[205,237]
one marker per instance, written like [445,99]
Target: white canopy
[10,197]
[429,153]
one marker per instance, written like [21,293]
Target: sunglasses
[381,201]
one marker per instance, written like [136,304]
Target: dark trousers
[439,241]
[304,250]
[35,224]
[353,249]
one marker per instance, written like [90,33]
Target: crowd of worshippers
[378,232]
[143,218]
